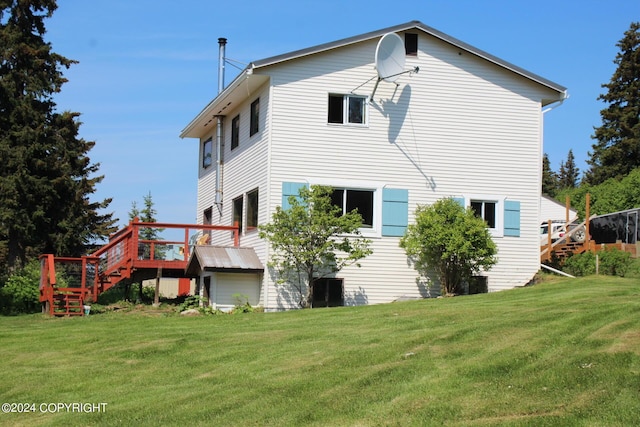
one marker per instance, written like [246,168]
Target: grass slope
[565,352]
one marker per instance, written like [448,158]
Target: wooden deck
[67,283]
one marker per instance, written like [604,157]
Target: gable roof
[247,80]
[404,27]
[223,258]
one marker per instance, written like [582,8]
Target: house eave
[245,84]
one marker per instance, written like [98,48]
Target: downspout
[222,42]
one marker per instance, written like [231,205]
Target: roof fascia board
[216,103]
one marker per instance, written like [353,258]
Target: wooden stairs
[557,252]
[67,284]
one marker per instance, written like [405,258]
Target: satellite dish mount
[390,59]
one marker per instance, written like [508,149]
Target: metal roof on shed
[223,258]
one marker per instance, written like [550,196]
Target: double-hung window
[347,109]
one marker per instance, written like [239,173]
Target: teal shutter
[460,200]
[290,189]
[395,211]
[512,218]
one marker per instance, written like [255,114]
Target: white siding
[235,288]
[554,210]
[461,126]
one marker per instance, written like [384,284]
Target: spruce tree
[46,177]
[617,150]
[568,174]
[549,178]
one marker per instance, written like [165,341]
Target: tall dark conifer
[617,150]
[46,177]
[569,173]
[549,178]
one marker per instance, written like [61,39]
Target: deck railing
[121,256]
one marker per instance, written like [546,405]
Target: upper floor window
[254,118]
[347,109]
[235,132]
[411,44]
[207,153]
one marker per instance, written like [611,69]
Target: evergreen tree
[549,178]
[568,174]
[46,177]
[617,150]
[147,214]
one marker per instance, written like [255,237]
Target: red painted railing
[88,276]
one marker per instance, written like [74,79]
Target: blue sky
[146,68]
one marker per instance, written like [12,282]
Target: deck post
[587,218]
[156,294]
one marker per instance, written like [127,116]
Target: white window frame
[498,231]
[345,109]
[376,187]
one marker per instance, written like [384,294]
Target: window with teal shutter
[290,189]
[460,201]
[512,218]
[395,211]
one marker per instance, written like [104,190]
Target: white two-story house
[462,124]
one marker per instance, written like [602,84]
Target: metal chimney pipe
[222,42]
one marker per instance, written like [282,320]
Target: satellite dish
[390,57]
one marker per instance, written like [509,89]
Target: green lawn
[565,352]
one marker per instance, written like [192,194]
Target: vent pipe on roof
[222,42]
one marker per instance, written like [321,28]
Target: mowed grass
[565,352]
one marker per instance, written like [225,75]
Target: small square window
[207,153]
[411,44]
[347,109]
[255,116]
[235,132]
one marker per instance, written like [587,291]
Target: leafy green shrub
[583,264]
[21,293]
[614,262]
[194,301]
[242,304]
